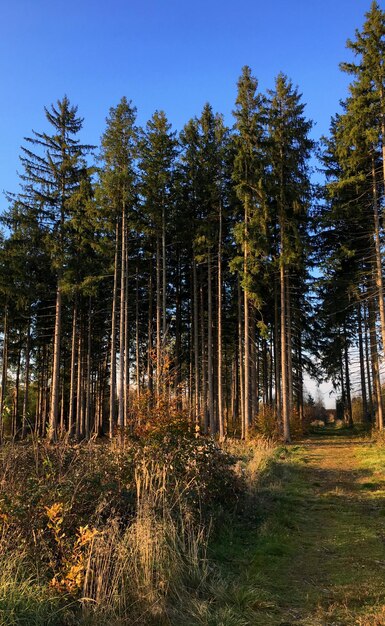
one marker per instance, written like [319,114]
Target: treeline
[172,270]
[171,273]
[352,316]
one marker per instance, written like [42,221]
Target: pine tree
[50,178]
[117,192]
[290,191]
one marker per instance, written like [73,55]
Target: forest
[163,296]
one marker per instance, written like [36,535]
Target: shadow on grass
[310,543]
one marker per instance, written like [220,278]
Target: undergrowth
[98,533]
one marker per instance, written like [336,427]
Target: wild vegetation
[163,296]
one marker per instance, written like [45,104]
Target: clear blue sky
[163,54]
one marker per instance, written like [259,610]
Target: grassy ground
[311,549]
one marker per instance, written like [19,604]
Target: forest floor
[311,549]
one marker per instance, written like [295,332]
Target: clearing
[312,549]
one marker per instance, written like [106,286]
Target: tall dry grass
[143,573]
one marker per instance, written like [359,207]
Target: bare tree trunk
[284,363]
[241,364]
[277,359]
[196,345]
[55,386]
[158,322]
[15,424]
[87,429]
[347,380]
[204,367]
[362,365]
[112,415]
[137,337]
[253,368]
[122,343]
[220,355]
[377,246]
[378,410]
[126,377]
[289,345]
[367,361]
[150,377]
[79,388]
[72,373]
[164,278]
[26,381]
[4,371]
[246,328]
[210,369]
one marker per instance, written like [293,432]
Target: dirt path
[315,556]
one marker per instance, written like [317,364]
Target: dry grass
[145,572]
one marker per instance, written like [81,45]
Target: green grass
[311,549]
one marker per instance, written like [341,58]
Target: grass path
[312,550]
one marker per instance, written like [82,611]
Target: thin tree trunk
[4,371]
[246,340]
[220,355]
[126,377]
[55,388]
[150,377]
[377,245]
[164,278]
[26,381]
[122,343]
[196,345]
[158,321]
[72,373]
[362,365]
[137,337]
[79,388]
[241,363]
[367,360]
[289,345]
[347,380]
[15,425]
[375,366]
[112,415]
[204,367]
[87,429]
[210,369]
[284,363]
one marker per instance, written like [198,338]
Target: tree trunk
[87,429]
[122,330]
[72,373]
[210,369]
[137,338]
[26,381]
[241,363]
[377,246]
[126,377]
[362,365]
[112,415]
[378,410]
[284,361]
[347,380]
[220,355]
[4,372]
[367,361]
[55,386]
[158,321]
[196,345]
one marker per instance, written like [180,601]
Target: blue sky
[163,54]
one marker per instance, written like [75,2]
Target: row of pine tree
[165,272]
